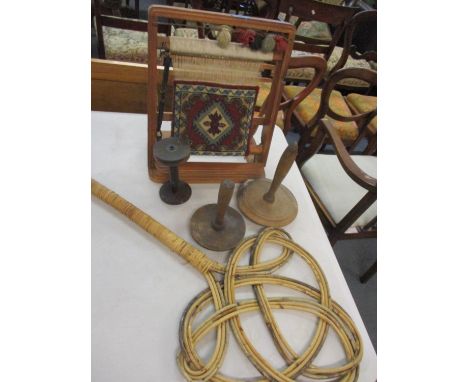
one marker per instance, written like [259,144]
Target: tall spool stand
[268,202]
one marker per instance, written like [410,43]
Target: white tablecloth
[140,289]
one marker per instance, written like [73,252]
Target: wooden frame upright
[215,172]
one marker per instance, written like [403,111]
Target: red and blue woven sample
[217,119]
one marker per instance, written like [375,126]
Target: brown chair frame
[337,230]
[307,143]
[289,104]
[310,10]
[348,48]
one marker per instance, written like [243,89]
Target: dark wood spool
[171,152]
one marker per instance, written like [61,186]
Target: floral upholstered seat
[350,63]
[132,46]
[125,45]
[308,73]
[314,29]
[361,104]
[311,29]
[309,107]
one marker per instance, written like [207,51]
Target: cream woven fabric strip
[210,48]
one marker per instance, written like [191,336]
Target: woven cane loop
[316,301]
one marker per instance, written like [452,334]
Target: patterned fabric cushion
[263,91]
[125,45]
[350,63]
[363,104]
[132,46]
[186,32]
[216,118]
[307,109]
[308,73]
[311,29]
[314,29]
[301,73]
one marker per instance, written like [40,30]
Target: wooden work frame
[215,172]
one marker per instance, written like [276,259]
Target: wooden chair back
[245,7]
[113,21]
[365,18]
[307,144]
[336,16]
[116,21]
[277,62]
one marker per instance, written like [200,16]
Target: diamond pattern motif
[214,123]
[217,119]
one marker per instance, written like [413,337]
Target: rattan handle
[175,243]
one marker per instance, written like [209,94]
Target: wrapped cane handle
[175,243]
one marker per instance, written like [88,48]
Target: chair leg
[369,273]
[371,148]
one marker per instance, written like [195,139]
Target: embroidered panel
[217,119]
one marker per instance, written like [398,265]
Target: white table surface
[140,289]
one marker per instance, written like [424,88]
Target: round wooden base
[182,194]
[226,238]
[281,212]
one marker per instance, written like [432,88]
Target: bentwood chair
[343,187]
[310,108]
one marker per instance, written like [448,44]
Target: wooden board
[121,87]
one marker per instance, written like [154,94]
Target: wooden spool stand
[215,172]
[268,202]
[217,226]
